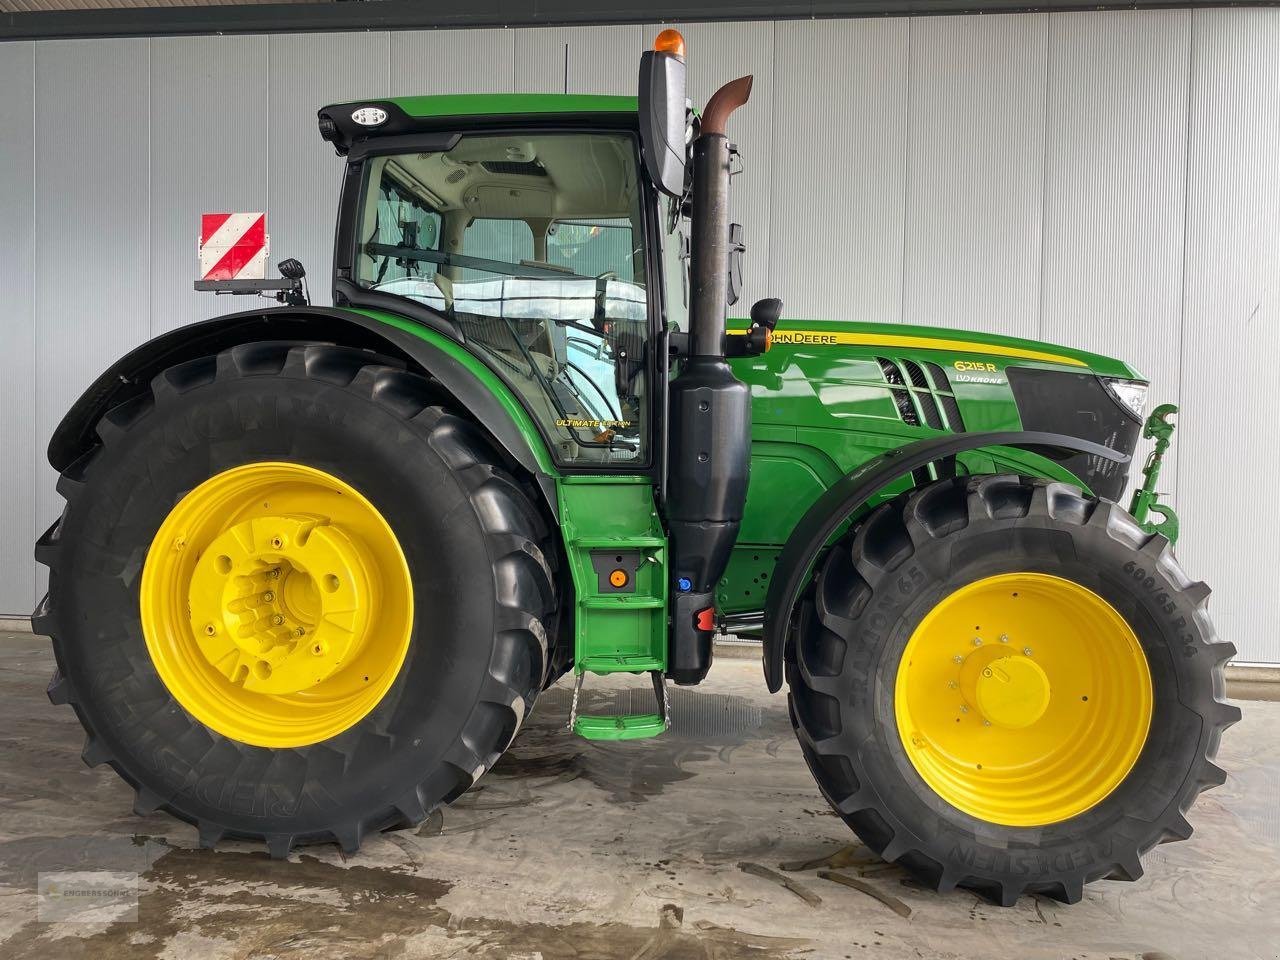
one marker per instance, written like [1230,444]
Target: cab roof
[510,104]
[406,115]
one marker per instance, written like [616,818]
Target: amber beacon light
[670,41]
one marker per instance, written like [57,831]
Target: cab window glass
[532,243]
[508,241]
[593,247]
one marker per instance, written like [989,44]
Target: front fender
[845,496]
[476,388]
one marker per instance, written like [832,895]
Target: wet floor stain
[704,727]
[254,906]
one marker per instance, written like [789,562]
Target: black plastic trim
[131,374]
[845,496]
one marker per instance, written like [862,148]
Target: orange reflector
[618,578]
[670,41]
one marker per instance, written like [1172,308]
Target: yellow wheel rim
[1023,699]
[276,604]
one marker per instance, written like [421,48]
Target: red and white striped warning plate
[233,246]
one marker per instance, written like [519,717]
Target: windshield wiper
[521,270]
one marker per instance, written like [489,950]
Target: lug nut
[977,641]
[277,620]
[273,574]
[952,684]
[986,723]
[277,542]
[299,632]
[963,708]
[957,659]
[1004,638]
[1026,651]
[986,672]
[268,597]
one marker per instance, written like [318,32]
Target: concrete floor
[675,848]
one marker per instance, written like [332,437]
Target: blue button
[684,584]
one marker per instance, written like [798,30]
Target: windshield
[533,244]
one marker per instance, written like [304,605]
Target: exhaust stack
[710,409]
[709,259]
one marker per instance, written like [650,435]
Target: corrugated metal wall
[1109,180]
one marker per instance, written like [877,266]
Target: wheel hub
[1012,692]
[277,602]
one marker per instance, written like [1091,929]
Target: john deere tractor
[317,564]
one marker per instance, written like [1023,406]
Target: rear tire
[872,592]
[482,596]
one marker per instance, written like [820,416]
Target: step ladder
[617,553]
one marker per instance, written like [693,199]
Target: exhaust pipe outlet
[710,410]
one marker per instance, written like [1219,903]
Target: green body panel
[821,408]
[615,632]
[509,104]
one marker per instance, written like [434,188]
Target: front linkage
[1145,499]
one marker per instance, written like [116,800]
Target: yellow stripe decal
[821,338]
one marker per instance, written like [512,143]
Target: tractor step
[617,554]
[635,726]
[627,726]
[607,543]
[621,663]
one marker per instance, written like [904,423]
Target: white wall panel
[975,172]
[718,53]
[1115,177]
[579,59]
[209,136]
[17,332]
[90,188]
[307,72]
[1109,180]
[837,194]
[1231,331]
[453,61]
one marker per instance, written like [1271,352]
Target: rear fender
[437,352]
[840,502]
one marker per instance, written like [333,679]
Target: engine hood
[956,345]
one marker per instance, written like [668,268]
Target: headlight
[1131,394]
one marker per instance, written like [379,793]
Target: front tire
[416,682]
[954,575]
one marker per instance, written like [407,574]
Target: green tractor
[317,564]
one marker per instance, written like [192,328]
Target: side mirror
[663,118]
